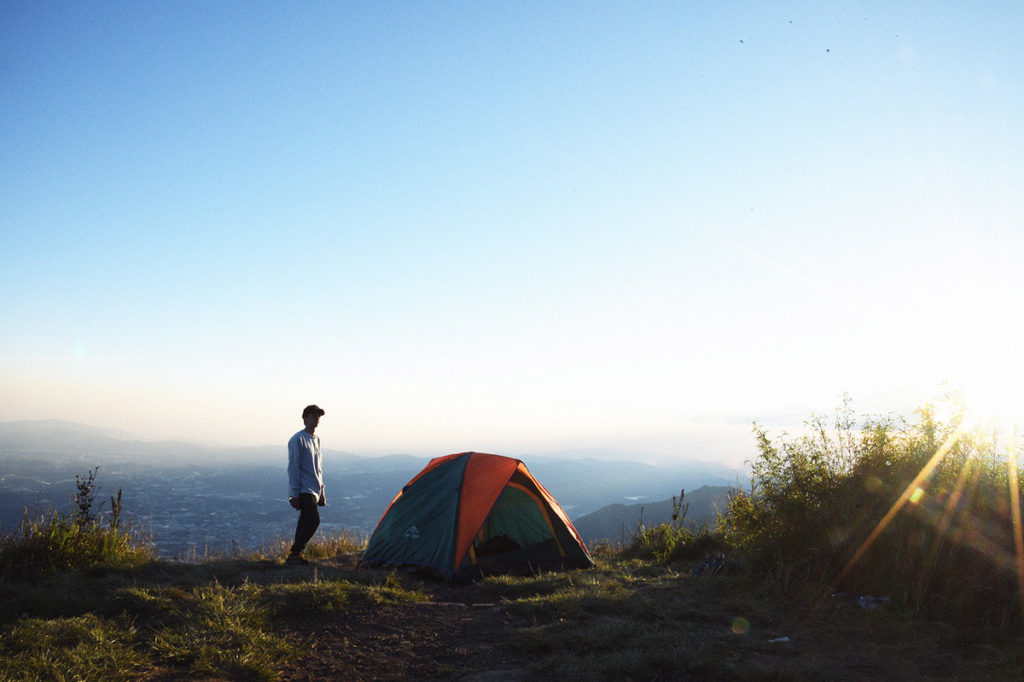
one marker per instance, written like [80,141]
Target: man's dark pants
[309,520]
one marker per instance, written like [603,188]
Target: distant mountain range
[193,497]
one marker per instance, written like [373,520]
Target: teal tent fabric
[517,516]
[420,526]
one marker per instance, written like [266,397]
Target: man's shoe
[296,560]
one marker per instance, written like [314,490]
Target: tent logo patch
[412,532]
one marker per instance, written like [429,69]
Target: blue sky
[509,227]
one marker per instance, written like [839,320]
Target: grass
[618,622]
[633,619]
[323,547]
[214,630]
[213,619]
[627,618]
[71,648]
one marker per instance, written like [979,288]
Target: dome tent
[473,514]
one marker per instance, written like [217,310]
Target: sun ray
[945,521]
[1014,493]
[956,496]
[912,490]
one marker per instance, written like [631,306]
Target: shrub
[73,541]
[918,511]
[673,541]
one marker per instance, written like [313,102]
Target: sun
[993,402]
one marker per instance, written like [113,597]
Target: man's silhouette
[305,481]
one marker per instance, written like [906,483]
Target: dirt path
[456,635]
[408,642]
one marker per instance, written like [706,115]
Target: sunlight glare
[908,493]
[1015,514]
[992,402]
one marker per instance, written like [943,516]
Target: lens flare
[740,625]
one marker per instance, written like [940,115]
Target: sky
[515,227]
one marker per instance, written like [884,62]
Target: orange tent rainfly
[471,514]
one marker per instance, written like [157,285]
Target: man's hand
[322,502]
[294,502]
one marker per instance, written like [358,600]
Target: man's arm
[294,459]
[319,465]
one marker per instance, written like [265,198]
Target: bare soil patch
[458,634]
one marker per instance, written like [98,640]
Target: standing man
[305,481]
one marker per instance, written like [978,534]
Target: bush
[665,543]
[673,541]
[73,541]
[921,512]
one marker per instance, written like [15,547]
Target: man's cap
[312,409]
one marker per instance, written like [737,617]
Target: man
[305,482]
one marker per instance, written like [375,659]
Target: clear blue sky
[512,227]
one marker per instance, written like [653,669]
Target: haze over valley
[195,500]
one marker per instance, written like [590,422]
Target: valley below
[193,502]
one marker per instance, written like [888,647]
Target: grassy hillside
[888,550]
[254,618]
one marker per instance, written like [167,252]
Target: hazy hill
[618,523]
[585,485]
